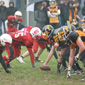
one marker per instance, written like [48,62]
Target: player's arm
[3,64]
[51,53]
[81,45]
[6,25]
[57,13]
[31,55]
[71,59]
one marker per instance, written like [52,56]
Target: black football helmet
[72,27]
[64,32]
[48,30]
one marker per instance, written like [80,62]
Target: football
[45,68]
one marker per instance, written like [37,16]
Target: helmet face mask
[61,36]
[35,33]
[55,36]
[67,31]
[48,30]
[64,32]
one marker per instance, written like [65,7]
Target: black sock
[22,57]
[64,63]
[59,64]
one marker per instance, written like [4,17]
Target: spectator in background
[40,16]
[64,12]
[11,9]
[3,16]
[45,10]
[83,9]
[73,11]
[53,14]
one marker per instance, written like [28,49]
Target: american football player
[13,22]
[76,39]
[25,37]
[5,40]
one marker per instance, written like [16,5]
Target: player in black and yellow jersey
[59,38]
[53,13]
[75,39]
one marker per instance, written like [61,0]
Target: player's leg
[3,64]
[17,52]
[21,58]
[39,52]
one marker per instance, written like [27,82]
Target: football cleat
[7,71]
[68,76]
[74,73]
[37,60]
[63,69]
[58,70]
[20,59]
[33,65]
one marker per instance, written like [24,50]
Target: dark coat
[40,18]
[83,11]
[3,13]
[65,11]
[11,11]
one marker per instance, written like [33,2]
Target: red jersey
[12,23]
[42,42]
[23,37]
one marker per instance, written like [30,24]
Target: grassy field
[24,74]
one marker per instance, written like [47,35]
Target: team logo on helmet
[48,30]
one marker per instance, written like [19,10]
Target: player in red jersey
[12,22]
[12,25]
[25,37]
[5,40]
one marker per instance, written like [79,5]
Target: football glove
[7,71]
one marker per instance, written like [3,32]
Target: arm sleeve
[3,62]
[31,55]
[58,13]
[11,18]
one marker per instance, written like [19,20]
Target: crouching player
[25,37]
[5,40]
